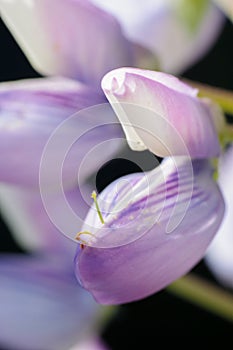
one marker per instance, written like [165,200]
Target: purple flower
[42,305]
[157,227]
[109,35]
[120,265]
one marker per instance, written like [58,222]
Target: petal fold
[66,37]
[162,114]
[157,256]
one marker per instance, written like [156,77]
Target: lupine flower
[45,41]
[104,35]
[174,118]
[219,255]
[116,270]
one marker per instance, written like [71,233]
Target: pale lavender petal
[37,111]
[41,305]
[219,255]
[160,113]
[72,38]
[156,25]
[156,258]
[45,226]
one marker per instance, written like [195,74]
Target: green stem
[222,97]
[94,196]
[205,295]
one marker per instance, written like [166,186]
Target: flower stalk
[204,294]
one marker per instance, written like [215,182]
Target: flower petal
[157,256]
[156,25]
[44,224]
[219,255]
[65,37]
[42,306]
[160,113]
[62,115]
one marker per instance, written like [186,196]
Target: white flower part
[68,38]
[113,84]
[19,17]
[160,113]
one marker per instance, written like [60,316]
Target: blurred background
[139,324]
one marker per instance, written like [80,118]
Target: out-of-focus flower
[41,304]
[219,255]
[42,307]
[116,271]
[30,223]
[114,33]
[156,109]
[226,6]
[178,32]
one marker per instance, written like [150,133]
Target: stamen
[77,237]
[93,195]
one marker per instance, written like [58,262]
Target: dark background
[162,316]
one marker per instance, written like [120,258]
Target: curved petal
[48,126]
[44,224]
[160,113]
[156,25]
[42,306]
[65,37]
[158,257]
[219,255]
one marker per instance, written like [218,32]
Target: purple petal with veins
[136,253]
[31,112]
